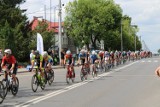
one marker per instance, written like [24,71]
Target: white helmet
[68,52]
[45,54]
[8,51]
[82,51]
[93,52]
[106,52]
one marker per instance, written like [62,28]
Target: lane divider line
[38,99]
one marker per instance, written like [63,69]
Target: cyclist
[47,61]
[101,55]
[93,58]
[11,64]
[38,59]
[107,58]
[68,59]
[82,57]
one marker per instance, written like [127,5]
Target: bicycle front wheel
[51,77]
[15,86]
[2,92]
[34,83]
[6,85]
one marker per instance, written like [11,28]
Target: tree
[91,23]
[100,21]
[15,28]
[47,35]
[159,51]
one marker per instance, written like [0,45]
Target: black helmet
[36,52]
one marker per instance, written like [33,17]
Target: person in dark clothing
[62,57]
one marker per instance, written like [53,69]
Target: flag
[40,46]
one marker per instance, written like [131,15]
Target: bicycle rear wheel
[2,92]
[51,77]
[34,83]
[15,86]
[82,75]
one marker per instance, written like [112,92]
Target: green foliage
[48,36]
[159,51]
[14,29]
[94,20]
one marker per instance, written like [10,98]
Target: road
[133,84]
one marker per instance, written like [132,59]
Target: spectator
[62,57]
[31,55]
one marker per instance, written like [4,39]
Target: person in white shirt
[31,54]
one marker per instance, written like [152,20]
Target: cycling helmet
[45,54]
[68,52]
[82,51]
[8,51]
[36,52]
[106,52]
[93,52]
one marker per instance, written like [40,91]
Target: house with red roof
[54,26]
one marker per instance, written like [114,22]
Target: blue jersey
[82,56]
[93,57]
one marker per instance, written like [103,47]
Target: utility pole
[60,29]
[121,38]
[45,12]
[50,14]
[135,43]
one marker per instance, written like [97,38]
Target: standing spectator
[1,56]
[62,57]
[53,55]
[31,55]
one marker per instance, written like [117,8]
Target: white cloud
[144,13]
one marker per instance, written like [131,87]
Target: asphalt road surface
[133,84]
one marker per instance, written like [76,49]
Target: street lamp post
[60,29]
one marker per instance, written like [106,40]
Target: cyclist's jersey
[48,60]
[37,59]
[82,56]
[9,60]
[68,59]
[94,57]
[101,54]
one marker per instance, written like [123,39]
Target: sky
[144,13]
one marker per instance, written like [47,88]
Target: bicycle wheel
[34,83]
[6,85]
[42,83]
[51,77]
[15,86]
[2,92]
[82,75]
[68,77]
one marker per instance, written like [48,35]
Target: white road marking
[38,99]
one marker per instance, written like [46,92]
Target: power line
[40,10]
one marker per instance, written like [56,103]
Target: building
[67,43]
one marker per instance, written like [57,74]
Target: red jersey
[9,60]
[68,56]
[101,54]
